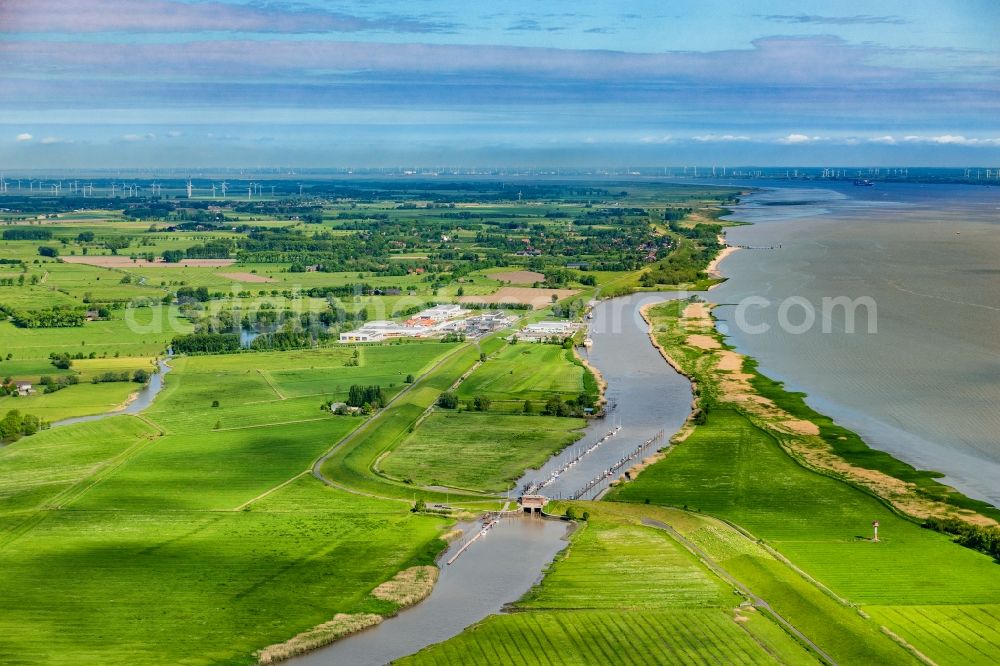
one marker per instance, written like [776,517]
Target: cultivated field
[536,298]
[622,593]
[946,634]
[526,372]
[478,451]
[517,277]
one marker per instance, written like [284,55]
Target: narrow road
[725,575]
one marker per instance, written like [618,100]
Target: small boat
[863,182]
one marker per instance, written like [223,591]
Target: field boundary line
[267,378]
[907,646]
[278,423]
[271,490]
[75,492]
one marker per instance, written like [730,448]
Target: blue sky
[179,83]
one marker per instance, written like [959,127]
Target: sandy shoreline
[713,266]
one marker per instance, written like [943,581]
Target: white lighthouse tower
[875,528]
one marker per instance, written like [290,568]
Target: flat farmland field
[153,587]
[143,332]
[947,634]
[526,371]
[478,451]
[537,298]
[678,637]
[622,593]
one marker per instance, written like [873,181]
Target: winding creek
[648,396]
[143,399]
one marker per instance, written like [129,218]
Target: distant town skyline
[172,83]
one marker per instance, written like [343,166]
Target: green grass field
[622,593]
[142,332]
[98,519]
[526,372]
[678,637]
[478,451]
[153,586]
[946,634]
[731,469]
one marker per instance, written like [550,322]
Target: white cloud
[666,138]
[49,140]
[887,139]
[952,140]
[132,138]
[799,138]
[173,134]
[716,138]
[24,136]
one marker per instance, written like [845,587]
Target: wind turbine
[189,188]
[225,186]
[213,190]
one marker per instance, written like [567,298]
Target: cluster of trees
[46,251]
[687,261]
[10,282]
[447,400]
[977,537]
[213,249]
[206,343]
[194,293]
[116,243]
[363,396]
[62,361]
[139,377]
[15,425]
[289,337]
[217,249]
[27,233]
[47,318]
[574,407]
[59,383]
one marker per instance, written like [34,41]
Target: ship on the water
[863,182]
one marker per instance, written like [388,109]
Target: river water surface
[925,386]
[143,399]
